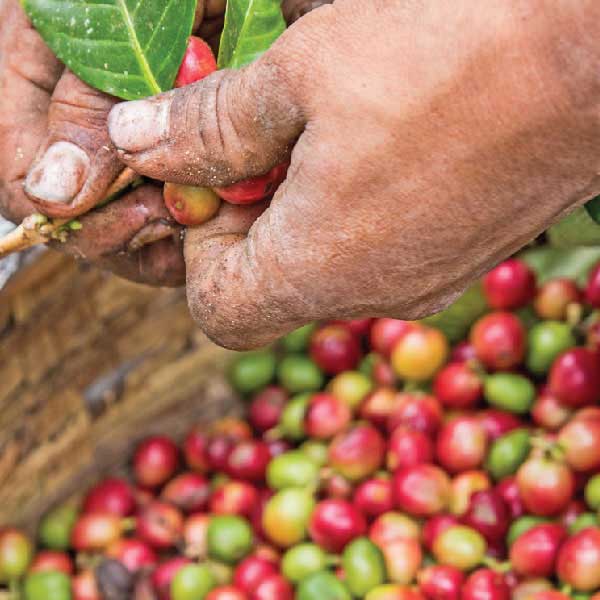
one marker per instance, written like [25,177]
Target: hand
[56,158]
[433,140]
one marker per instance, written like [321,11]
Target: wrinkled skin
[430,141]
[42,103]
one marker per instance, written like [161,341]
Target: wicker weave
[88,365]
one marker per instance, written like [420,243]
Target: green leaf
[578,229]
[549,262]
[593,209]
[251,27]
[127,48]
[457,319]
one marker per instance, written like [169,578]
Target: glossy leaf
[127,48]
[251,27]
[574,263]
[578,229]
[457,319]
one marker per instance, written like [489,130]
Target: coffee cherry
[188,491]
[134,554]
[113,496]
[326,416]
[441,582]
[499,341]
[374,497]
[191,582]
[422,490]
[419,354]
[334,523]
[385,334]
[155,461]
[460,546]
[160,525]
[198,62]
[461,444]
[229,538]
[486,583]
[335,349]
[510,285]
[52,560]
[578,563]
[458,386]
[592,290]
[545,485]
[575,377]
[358,452]
[554,298]
[254,189]
[16,552]
[408,447]
[534,553]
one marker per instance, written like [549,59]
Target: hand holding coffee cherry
[340,486]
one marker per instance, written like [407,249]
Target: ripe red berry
[486,583]
[155,461]
[198,62]
[374,497]
[510,285]
[546,486]
[134,554]
[422,490]
[248,460]
[385,334]
[113,495]
[408,447]
[499,340]
[188,491]
[441,582]
[534,553]
[592,290]
[160,525]
[249,574]
[335,349]
[334,523]
[421,412]
[326,416]
[575,377]
[266,407]
[580,441]
[358,452]
[461,444]
[578,563]
[249,191]
[458,386]
[488,514]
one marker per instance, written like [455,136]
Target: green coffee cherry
[253,371]
[508,452]
[298,373]
[229,538]
[509,391]
[292,469]
[299,339]
[291,423]
[364,566]
[192,582]
[303,560]
[47,585]
[322,586]
[592,492]
[316,450]
[546,341]
[55,529]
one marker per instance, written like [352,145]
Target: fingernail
[138,125]
[60,174]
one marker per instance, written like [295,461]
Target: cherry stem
[496,565]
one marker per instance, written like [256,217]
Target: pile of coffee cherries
[377,461]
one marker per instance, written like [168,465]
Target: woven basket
[89,364]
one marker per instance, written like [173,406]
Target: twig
[38,229]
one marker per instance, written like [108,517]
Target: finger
[29,72]
[158,264]
[239,290]
[76,162]
[121,226]
[231,125]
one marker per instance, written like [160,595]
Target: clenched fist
[56,157]
[428,140]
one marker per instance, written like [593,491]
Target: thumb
[231,125]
